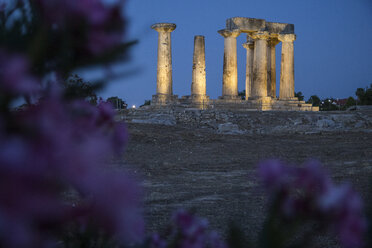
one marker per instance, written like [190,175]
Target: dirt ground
[215,174]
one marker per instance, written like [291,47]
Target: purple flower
[189,225]
[157,242]
[311,178]
[274,175]
[215,240]
[101,41]
[345,207]
[58,11]
[192,232]
[100,25]
[308,193]
[15,78]
[350,230]
[63,146]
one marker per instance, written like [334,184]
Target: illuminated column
[271,67]
[249,67]
[198,86]
[259,85]
[287,67]
[164,69]
[199,97]
[230,64]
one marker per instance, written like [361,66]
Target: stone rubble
[253,122]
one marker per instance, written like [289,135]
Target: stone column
[287,67]
[164,89]
[271,67]
[259,85]
[198,86]
[230,64]
[249,67]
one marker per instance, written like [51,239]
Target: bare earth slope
[212,168]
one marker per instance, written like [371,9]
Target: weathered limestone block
[249,67]
[287,67]
[279,28]
[230,64]
[198,85]
[164,69]
[259,86]
[245,24]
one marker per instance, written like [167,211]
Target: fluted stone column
[198,86]
[271,67]
[286,91]
[249,67]
[164,89]
[230,64]
[259,85]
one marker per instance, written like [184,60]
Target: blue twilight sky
[333,50]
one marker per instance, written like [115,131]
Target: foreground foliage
[56,189]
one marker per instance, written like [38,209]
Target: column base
[199,101]
[163,100]
[288,99]
[227,97]
[261,98]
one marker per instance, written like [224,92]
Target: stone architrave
[198,85]
[286,91]
[249,67]
[271,67]
[259,85]
[164,68]
[230,64]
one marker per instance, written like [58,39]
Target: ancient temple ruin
[260,81]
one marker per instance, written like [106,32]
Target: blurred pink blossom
[193,231]
[308,193]
[103,24]
[62,146]
[15,78]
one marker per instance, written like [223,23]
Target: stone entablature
[260,81]
[250,25]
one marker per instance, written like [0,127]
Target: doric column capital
[273,41]
[248,45]
[287,37]
[249,39]
[229,33]
[164,27]
[260,35]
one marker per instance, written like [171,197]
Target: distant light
[133,106]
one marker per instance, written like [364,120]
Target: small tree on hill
[364,95]
[314,100]
[299,95]
[117,103]
[350,102]
[77,88]
[146,103]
